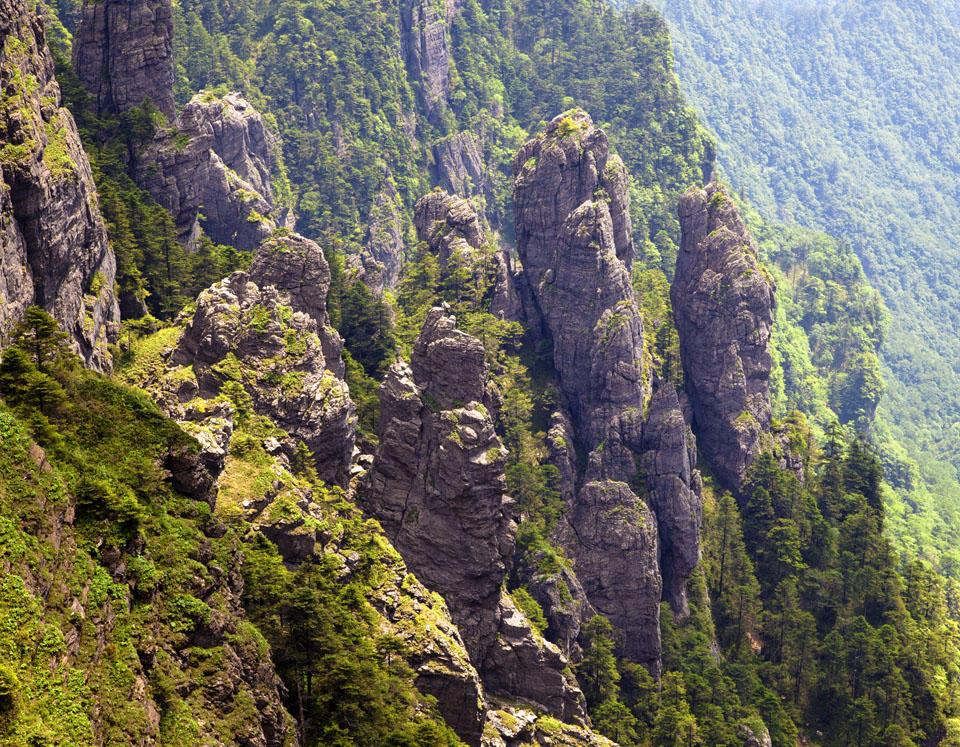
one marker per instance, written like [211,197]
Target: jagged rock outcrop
[524,665]
[457,234]
[423,37]
[213,167]
[296,266]
[258,330]
[54,250]
[753,739]
[437,483]
[213,170]
[574,241]
[573,238]
[123,54]
[451,227]
[612,535]
[512,725]
[437,486]
[723,304]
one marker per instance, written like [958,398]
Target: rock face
[437,486]
[575,246]
[451,227]
[296,267]
[612,535]
[382,255]
[123,54]
[423,36]
[258,329]
[459,166]
[457,234]
[673,483]
[723,304]
[54,250]
[213,170]
[573,238]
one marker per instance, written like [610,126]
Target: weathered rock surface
[451,227]
[296,266]
[437,483]
[511,725]
[459,166]
[574,240]
[523,664]
[423,37]
[673,488]
[123,53]
[751,739]
[256,329]
[612,535]
[381,258]
[558,591]
[54,250]
[723,304]
[213,170]
[437,486]
[457,234]
[575,247]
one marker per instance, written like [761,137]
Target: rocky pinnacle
[723,303]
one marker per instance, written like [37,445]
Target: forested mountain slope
[452,399]
[838,115]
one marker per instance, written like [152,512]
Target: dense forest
[852,133]
[196,541]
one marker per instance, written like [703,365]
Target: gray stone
[54,251]
[723,303]
[673,488]
[382,255]
[574,242]
[459,166]
[423,37]
[437,486]
[212,170]
[123,54]
[257,328]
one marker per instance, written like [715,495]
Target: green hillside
[839,116]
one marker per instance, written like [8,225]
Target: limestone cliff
[423,36]
[213,170]
[54,250]
[451,227]
[568,200]
[629,479]
[437,486]
[259,342]
[459,166]
[123,53]
[723,303]
[381,257]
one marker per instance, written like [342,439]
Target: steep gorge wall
[54,251]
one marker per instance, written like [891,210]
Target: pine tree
[40,337]
[597,672]
[675,725]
